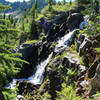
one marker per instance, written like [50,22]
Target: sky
[28,0]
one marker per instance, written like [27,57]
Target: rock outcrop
[30,54]
[73,22]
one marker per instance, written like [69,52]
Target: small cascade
[12,84]
[37,78]
[65,41]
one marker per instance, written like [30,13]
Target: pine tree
[50,3]
[33,27]
[64,2]
[8,60]
[70,2]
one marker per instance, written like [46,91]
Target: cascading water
[65,41]
[37,78]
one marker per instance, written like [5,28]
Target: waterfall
[35,79]
[12,84]
[65,41]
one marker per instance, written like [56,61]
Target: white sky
[28,0]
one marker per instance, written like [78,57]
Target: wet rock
[87,44]
[82,37]
[82,69]
[80,41]
[84,84]
[53,32]
[20,97]
[78,45]
[57,31]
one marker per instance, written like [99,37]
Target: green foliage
[97,50]
[49,14]
[4,7]
[7,94]
[97,96]
[34,9]
[33,30]
[67,93]
[8,60]
[33,27]
[50,3]
[33,41]
[71,72]
[93,26]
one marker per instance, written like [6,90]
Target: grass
[57,8]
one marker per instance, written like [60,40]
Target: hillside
[20,6]
[53,54]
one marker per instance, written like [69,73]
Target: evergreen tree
[64,2]
[33,27]
[8,60]
[50,2]
[70,2]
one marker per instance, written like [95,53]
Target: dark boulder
[80,41]
[30,54]
[44,51]
[68,62]
[53,32]
[46,26]
[40,24]
[60,18]
[82,37]
[57,31]
[74,20]
[87,44]
[26,87]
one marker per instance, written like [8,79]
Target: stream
[65,41]
[38,77]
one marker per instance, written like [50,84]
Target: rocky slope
[74,60]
